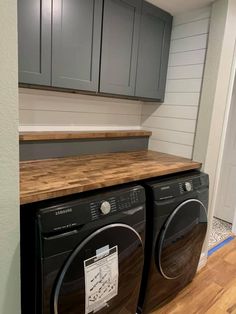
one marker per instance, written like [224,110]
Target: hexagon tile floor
[221,230]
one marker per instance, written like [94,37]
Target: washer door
[103,273]
[181,239]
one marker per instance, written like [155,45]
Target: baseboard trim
[220,245]
[202,261]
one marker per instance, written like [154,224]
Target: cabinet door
[153,52]
[34,41]
[76,40]
[121,24]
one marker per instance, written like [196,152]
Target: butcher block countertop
[50,178]
[66,135]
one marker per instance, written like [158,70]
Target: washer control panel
[79,210]
[122,202]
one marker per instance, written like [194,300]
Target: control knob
[105,207]
[187,186]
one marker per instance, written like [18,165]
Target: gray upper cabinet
[34,41]
[153,52]
[76,37]
[121,22]
[118,47]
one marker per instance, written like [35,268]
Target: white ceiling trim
[180,6]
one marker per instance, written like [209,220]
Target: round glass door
[181,239]
[103,274]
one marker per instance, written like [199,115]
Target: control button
[105,207]
[187,186]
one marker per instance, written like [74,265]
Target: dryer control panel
[178,185]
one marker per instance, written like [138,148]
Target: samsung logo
[63,211]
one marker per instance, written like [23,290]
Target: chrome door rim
[166,228]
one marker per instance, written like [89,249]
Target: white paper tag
[101,279]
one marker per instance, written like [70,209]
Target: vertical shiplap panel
[173,122]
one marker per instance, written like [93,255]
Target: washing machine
[175,231]
[83,254]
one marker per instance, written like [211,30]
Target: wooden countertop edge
[116,181]
[67,135]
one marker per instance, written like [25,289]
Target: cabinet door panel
[153,52]
[76,43]
[34,41]
[119,46]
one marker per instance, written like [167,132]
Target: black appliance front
[85,261]
[176,229]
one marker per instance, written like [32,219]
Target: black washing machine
[175,231]
[83,254]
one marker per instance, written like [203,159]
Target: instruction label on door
[101,279]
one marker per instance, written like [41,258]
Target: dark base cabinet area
[108,47]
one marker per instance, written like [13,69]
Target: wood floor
[213,291]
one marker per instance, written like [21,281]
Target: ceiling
[178,6]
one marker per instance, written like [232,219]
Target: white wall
[173,123]
[50,110]
[9,203]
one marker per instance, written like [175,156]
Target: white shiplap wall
[48,110]
[173,123]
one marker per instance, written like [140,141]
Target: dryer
[175,231]
[83,254]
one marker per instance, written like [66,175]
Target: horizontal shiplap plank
[78,103]
[193,15]
[190,29]
[32,117]
[172,136]
[185,71]
[187,58]
[186,99]
[174,124]
[183,86]
[184,112]
[189,43]
[171,148]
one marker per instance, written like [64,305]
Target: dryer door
[179,246]
[102,274]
